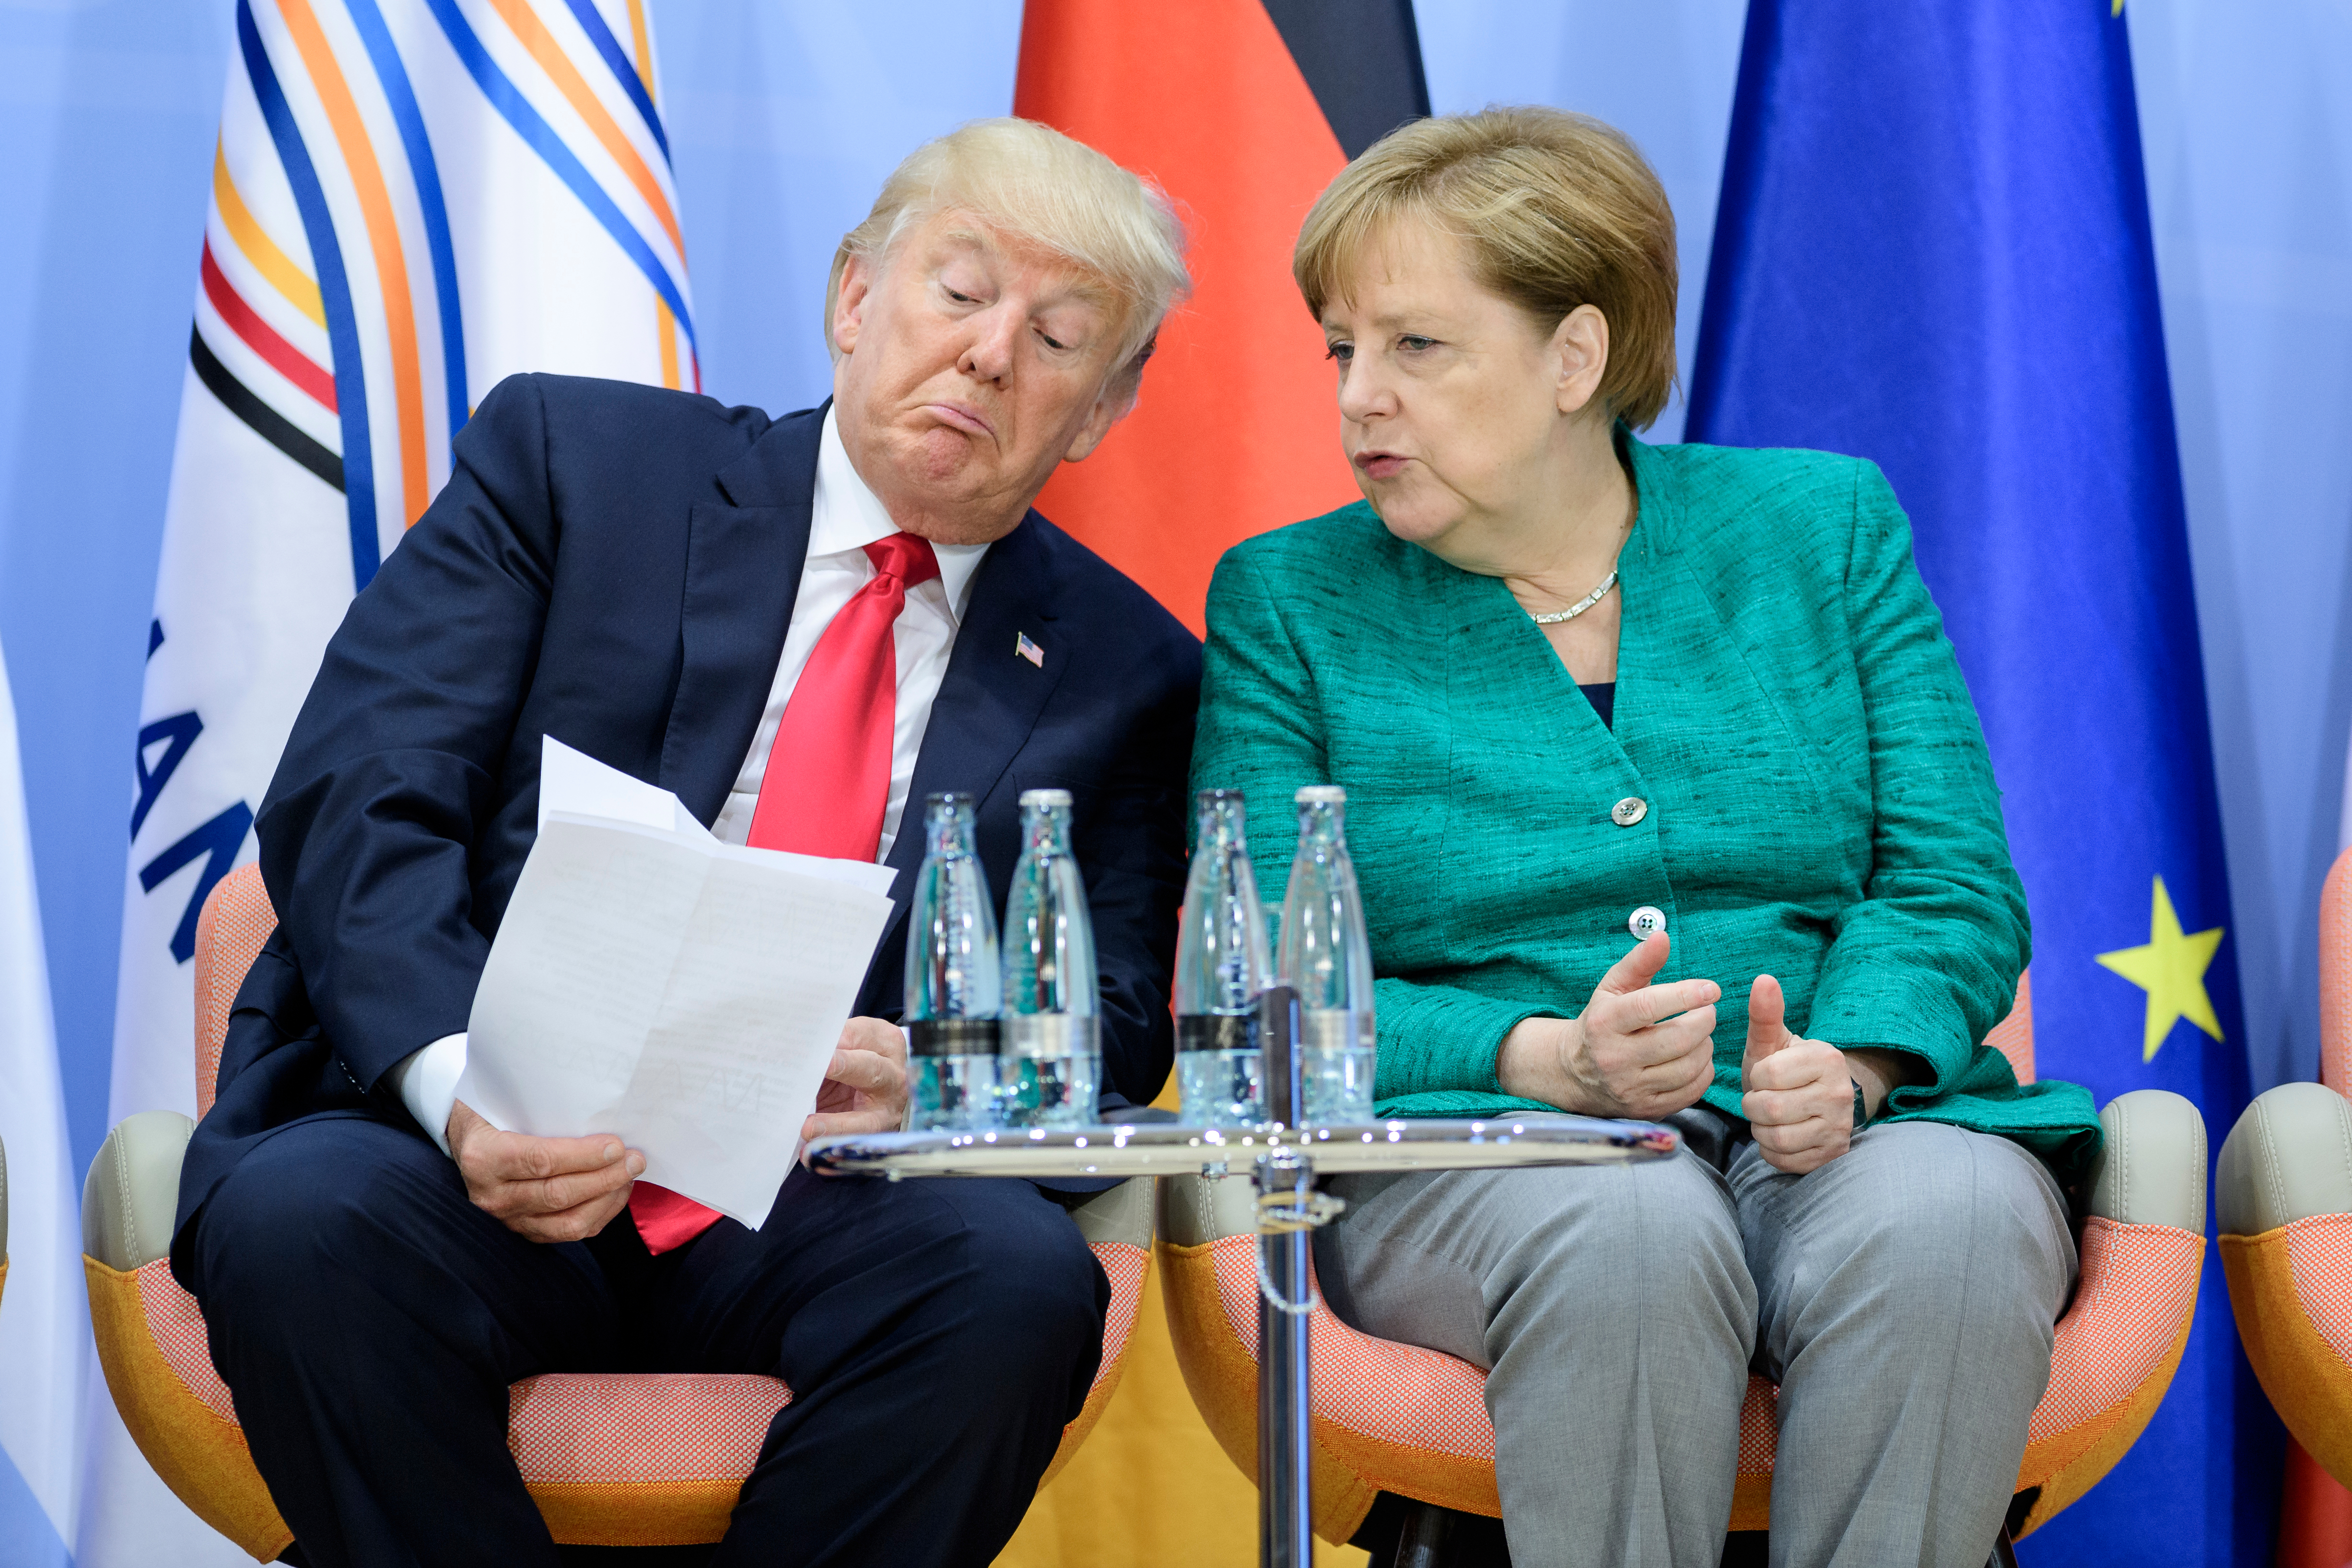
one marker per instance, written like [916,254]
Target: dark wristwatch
[1861,1106]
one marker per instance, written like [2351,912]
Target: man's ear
[849,302]
[1116,402]
[1580,348]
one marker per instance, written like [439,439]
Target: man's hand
[544,1189]
[866,1088]
[1637,1049]
[1797,1094]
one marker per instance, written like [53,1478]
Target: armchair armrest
[1197,1210]
[2289,1158]
[133,1190]
[2152,1167]
[1122,1215]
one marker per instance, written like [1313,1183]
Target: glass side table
[1284,1164]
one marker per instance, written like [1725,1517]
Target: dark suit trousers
[936,1336]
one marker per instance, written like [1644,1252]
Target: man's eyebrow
[1088,288]
[1076,282]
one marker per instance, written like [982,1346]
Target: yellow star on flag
[2171,969]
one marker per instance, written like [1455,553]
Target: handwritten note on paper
[684,994]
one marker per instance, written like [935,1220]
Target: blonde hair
[1034,185]
[1556,210]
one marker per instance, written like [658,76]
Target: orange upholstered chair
[1396,1418]
[612,1460]
[2284,1193]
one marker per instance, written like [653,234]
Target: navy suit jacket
[616,565]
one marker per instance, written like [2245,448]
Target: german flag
[1243,110]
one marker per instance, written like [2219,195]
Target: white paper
[650,981]
[575,782]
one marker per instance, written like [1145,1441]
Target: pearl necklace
[1578,608]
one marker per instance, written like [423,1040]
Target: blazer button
[1646,921]
[1629,810]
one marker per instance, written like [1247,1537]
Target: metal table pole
[1286,1181]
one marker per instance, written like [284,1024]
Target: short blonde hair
[1034,185]
[1557,210]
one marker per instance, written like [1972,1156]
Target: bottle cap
[948,797]
[1044,797]
[1321,794]
[1217,797]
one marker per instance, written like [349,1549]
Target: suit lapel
[742,572]
[990,697]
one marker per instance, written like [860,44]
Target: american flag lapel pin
[1023,648]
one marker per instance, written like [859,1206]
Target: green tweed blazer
[1820,803]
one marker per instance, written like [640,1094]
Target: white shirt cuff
[427,1082]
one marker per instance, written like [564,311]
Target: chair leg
[1421,1543]
[2004,1556]
[1400,1532]
[1745,1549]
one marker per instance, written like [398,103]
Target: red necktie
[827,778]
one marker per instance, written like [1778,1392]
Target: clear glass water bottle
[1222,968]
[1050,1065]
[955,983]
[1327,958]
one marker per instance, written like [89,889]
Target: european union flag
[1933,251]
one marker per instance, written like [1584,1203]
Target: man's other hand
[866,1088]
[546,1189]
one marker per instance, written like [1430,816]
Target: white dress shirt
[845,517]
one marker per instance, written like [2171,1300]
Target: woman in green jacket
[1668,801]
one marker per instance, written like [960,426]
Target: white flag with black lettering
[411,199]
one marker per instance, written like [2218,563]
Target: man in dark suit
[802,626]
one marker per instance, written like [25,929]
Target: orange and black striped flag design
[1243,110]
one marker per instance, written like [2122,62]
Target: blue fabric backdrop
[1932,250]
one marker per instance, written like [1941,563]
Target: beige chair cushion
[2151,1168]
[2289,1158]
[133,1190]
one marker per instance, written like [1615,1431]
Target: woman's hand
[1797,1094]
[1637,1049]
[865,1090]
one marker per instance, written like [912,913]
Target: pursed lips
[962,416]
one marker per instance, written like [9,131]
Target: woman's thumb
[1767,1013]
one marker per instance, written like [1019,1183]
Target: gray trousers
[1903,1296]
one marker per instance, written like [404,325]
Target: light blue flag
[44,1318]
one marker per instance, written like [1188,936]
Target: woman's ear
[1580,347]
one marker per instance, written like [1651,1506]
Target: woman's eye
[1414,345]
[1343,352]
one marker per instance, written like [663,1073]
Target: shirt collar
[844,515]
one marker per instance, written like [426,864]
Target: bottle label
[1050,1035]
[953,1037]
[1216,1032]
[1334,1028]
